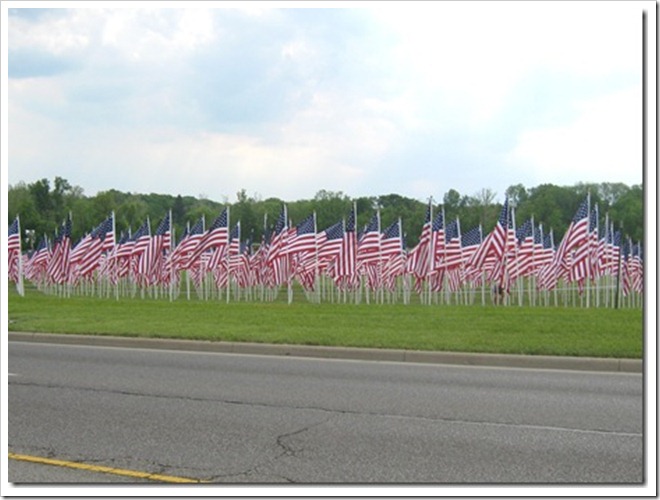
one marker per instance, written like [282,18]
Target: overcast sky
[379,98]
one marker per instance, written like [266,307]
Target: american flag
[14,241]
[470,242]
[547,276]
[35,269]
[609,257]
[418,258]
[626,279]
[602,250]
[246,273]
[241,268]
[617,249]
[538,244]
[329,244]
[523,265]
[495,243]
[636,269]
[369,257]
[347,257]
[79,250]
[14,250]
[369,243]
[581,265]
[234,248]
[190,239]
[159,245]
[164,231]
[101,239]
[542,255]
[575,235]
[277,258]
[453,259]
[471,239]
[303,251]
[438,241]
[453,255]
[139,260]
[58,266]
[124,246]
[121,256]
[278,237]
[596,245]
[216,236]
[504,247]
[393,254]
[391,240]
[141,238]
[303,238]
[577,231]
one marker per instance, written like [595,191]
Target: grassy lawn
[562,331]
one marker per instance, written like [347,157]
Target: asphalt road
[228,418]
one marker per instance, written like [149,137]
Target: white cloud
[221,164]
[470,55]
[55,33]
[155,34]
[417,99]
[602,143]
[147,34]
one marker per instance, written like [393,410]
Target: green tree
[452,201]
[131,214]
[40,191]
[243,210]
[628,211]
[554,206]
[20,202]
[330,207]
[179,211]
[482,204]
[517,194]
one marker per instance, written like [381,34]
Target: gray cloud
[351,99]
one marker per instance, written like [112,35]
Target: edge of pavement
[357,353]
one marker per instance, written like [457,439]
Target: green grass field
[562,331]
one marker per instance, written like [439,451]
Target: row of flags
[445,257]
[506,254]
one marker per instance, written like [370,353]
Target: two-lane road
[236,418]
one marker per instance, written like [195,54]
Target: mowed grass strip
[558,331]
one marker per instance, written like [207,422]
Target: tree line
[43,206]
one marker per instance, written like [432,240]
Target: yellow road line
[103,469]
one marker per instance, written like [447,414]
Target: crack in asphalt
[330,410]
[287,450]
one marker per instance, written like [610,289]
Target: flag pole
[444,285]
[431,252]
[588,273]
[379,269]
[169,255]
[353,267]
[228,253]
[186,262]
[618,274]
[19,283]
[114,232]
[287,256]
[317,282]
[596,278]
[610,267]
